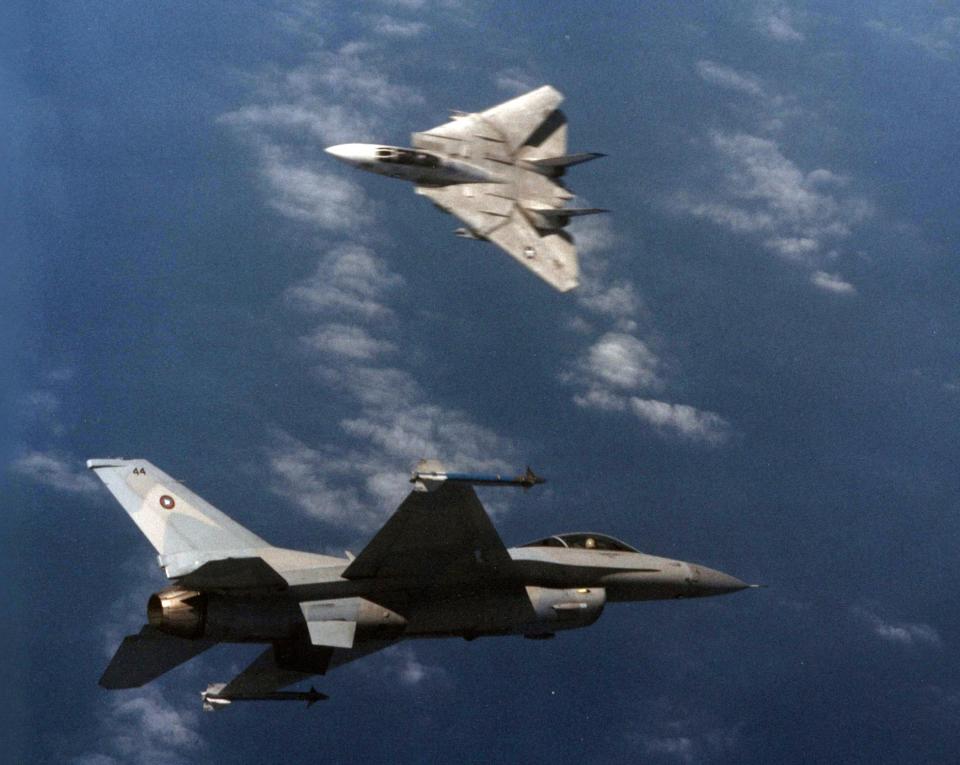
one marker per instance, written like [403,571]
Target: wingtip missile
[430,475]
[214,698]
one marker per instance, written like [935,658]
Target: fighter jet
[437,568]
[499,172]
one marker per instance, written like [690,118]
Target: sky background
[760,372]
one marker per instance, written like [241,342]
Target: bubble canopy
[583,541]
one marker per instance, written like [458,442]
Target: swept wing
[439,536]
[512,141]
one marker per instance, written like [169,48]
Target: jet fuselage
[545,588]
[421,167]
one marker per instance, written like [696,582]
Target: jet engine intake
[179,612]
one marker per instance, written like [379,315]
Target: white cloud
[793,247]
[408,668]
[358,484]
[322,482]
[40,403]
[309,117]
[350,278]
[143,728]
[832,283]
[309,195]
[618,363]
[902,633]
[938,36]
[335,97]
[592,233]
[776,20]
[392,422]
[678,747]
[669,732]
[728,77]
[346,340]
[683,420]
[767,194]
[515,81]
[56,471]
[601,399]
[623,361]
[390,26]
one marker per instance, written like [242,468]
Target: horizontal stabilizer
[147,655]
[562,213]
[234,574]
[559,164]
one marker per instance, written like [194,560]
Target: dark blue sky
[760,372]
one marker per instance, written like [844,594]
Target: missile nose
[710,582]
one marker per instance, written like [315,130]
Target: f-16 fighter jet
[437,568]
[499,172]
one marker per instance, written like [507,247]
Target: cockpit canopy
[406,157]
[583,541]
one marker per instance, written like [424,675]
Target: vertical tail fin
[171,517]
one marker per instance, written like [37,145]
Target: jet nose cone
[351,152]
[710,582]
[340,151]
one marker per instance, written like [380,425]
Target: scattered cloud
[360,482]
[757,190]
[618,365]
[622,361]
[408,668]
[832,283]
[143,728]
[392,424]
[593,234]
[515,81]
[777,21]
[311,195]
[793,214]
[677,747]
[938,36]
[350,278]
[730,78]
[902,633]
[346,340]
[671,733]
[390,26]
[765,109]
[56,471]
[683,420]
[335,96]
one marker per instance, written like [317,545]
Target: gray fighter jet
[499,172]
[437,568]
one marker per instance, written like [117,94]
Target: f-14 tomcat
[437,568]
[499,172]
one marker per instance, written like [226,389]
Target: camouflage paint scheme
[437,568]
